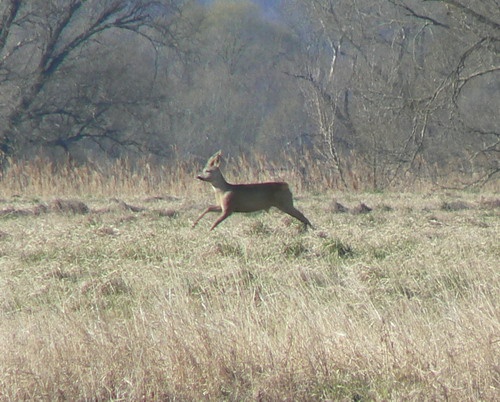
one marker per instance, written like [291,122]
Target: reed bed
[43,177]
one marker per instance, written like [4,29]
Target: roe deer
[246,197]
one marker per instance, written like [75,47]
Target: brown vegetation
[378,95]
[124,303]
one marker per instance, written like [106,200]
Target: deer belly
[250,201]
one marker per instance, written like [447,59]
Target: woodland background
[390,88]
[108,109]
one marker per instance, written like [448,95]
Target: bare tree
[322,72]
[467,92]
[48,46]
[395,81]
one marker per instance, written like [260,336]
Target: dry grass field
[110,295]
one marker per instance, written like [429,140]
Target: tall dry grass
[121,303]
[44,178]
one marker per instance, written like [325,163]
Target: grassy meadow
[107,293]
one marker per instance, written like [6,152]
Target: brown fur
[246,197]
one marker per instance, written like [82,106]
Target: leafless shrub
[167,213]
[40,209]
[338,208]
[455,205]
[122,205]
[490,203]
[386,208]
[69,206]
[362,208]
[15,212]
[107,231]
[161,198]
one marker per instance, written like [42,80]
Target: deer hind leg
[286,205]
[292,211]
[211,208]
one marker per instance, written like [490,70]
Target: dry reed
[42,177]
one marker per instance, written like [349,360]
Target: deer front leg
[211,208]
[224,215]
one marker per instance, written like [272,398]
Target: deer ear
[215,159]
[218,158]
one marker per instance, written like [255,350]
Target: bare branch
[6,21]
[471,13]
[419,16]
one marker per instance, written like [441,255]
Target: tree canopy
[394,85]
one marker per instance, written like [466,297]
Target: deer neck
[219,183]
